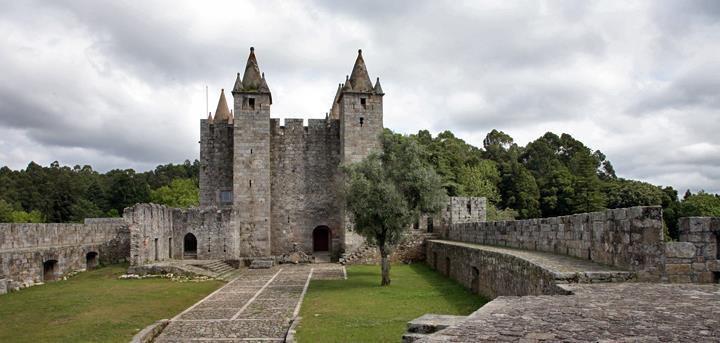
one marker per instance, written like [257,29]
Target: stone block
[713,265]
[430,323]
[680,278]
[677,268]
[261,264]
[706,277]
[680,249]
[699,266]
[3,286]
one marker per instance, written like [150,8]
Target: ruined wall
[304,188]
[696,256]
[490,273]
[25,247]
[629,238]
[151,233]
[213,229]
[216,162]
[158,233]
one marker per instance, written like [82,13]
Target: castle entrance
[321,238]
[189,246]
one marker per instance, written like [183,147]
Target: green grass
[359,310]
[94,306]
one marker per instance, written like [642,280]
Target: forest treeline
[551,176]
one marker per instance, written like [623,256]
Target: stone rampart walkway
[563,267]
[257,306]
[617,312]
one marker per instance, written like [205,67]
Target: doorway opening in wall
[170,247]
[91,260]
[321,238]
[189,246]
[50,270]
[717,245]
[430,225]
[157,254]
[475,284]
[447,266]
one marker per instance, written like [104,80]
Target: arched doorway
[50,270]
[189,246]
[91,260]
[321,238]
[475,283]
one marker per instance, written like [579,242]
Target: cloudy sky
[118,84]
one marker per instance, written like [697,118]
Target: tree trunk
[385,266]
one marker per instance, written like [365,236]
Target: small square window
[251,103]
[363,102]
[226,197]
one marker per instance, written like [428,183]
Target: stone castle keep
[279,185]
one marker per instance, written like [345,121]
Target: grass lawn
[359,310]
[94,306]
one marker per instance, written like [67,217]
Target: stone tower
[360,110]
[361,113]
[216,156]
[251,168]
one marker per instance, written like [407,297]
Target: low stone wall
[490,273]
[630,238]
[32,253]
[696,257]
[412,249]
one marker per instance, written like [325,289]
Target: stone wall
[158,233]
[630,238]
[304,187]
[696,256]
[24,248]
[490,273]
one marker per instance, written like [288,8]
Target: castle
[281,184]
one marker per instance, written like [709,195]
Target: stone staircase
[218,268]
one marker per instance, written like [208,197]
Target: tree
[385,193]
[180,193]
[519,190]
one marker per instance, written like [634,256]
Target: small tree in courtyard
[386,192]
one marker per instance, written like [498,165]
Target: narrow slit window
[250,183]
[362,121]
[469,207]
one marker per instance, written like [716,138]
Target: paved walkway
[619,312]
[258,306]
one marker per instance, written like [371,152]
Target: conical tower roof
[252,78]
[359,77]
[222,113]
[378,88]
[347,86]
[238,84]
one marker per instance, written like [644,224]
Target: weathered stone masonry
[627,239]
[34,253]
[282,183]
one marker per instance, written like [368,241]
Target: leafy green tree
[481,180]
[33,216]
[588,195]
[6,211]
[385,193]
[180,193]
[519,190]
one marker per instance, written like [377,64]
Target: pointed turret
[359,77]
[335,109]
[378,88]
[222,113]
[347,87]
[238,84]
[210,118]
[252,78]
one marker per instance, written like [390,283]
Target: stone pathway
[618,312]
[257,306]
